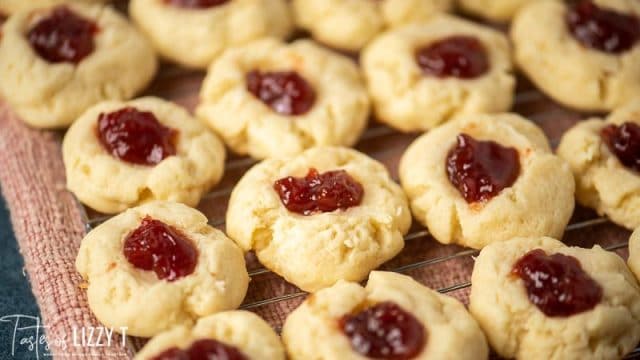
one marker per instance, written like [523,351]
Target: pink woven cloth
[48,226]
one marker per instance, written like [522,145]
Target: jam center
[481,169]
[203,350]
[286,93]
[161,248]
[384,331]
[136,136]
[63,36]
[557,284]
[317,192]
[196,4]
[624,142]
[459,56]
[602,29]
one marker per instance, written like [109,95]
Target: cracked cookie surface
[121,295]
[602,181]
[311,331]
[110,185]
[316,251]
[540,201]
[516,328]
[337,117]
[408,100]
[495,10]
[53,95]
[570,73]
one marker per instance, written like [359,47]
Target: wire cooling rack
[443,267]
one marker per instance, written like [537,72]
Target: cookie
[271,99]
[325,215]
[157,266]
[351,24]
[194,33]
[332,323]
[536,298]
[12,6]
[634,253]
[122,154]
[422,75]
[227,333]
[487,178]
[57,62]
[605,159]
[494,10]
[585,55]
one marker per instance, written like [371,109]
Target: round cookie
[119,290]
[581,76]
[603,182]
[242,330]
[495,10]
[195,36]
[351,24]
[110,182]
[289,222]
[314,331]
[53,94]
[605,325]
[514,185]
[12,6]
[409,98]
[270,99]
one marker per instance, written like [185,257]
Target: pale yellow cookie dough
[249,126]
[311,331]
[408,100]
[539,203]
[602,181]
[634,253]
[516,328]
[195,37]
[48,95]
[316,251]
[12,6]
[121,295]
[567,71]
[495,10]
[111,185]
[351,24]
[243,330]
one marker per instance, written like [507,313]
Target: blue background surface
[16,297]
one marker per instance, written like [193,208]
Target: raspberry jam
[161,248]
[136,136]
[317,192]
[195,4]
[458,56]
[63,36]
[602,29]
[384,331]
[286,93]
[481,169]
[557,284]
[206,349]
[624,142]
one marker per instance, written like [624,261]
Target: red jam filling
[557,284]
[206,349]
[63,36]
[317,192]
[286,93]
[384,331]
[624,142]
[458,56]
[161,248]
[481,169]
[195,4]
[602,29]
[136,136]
